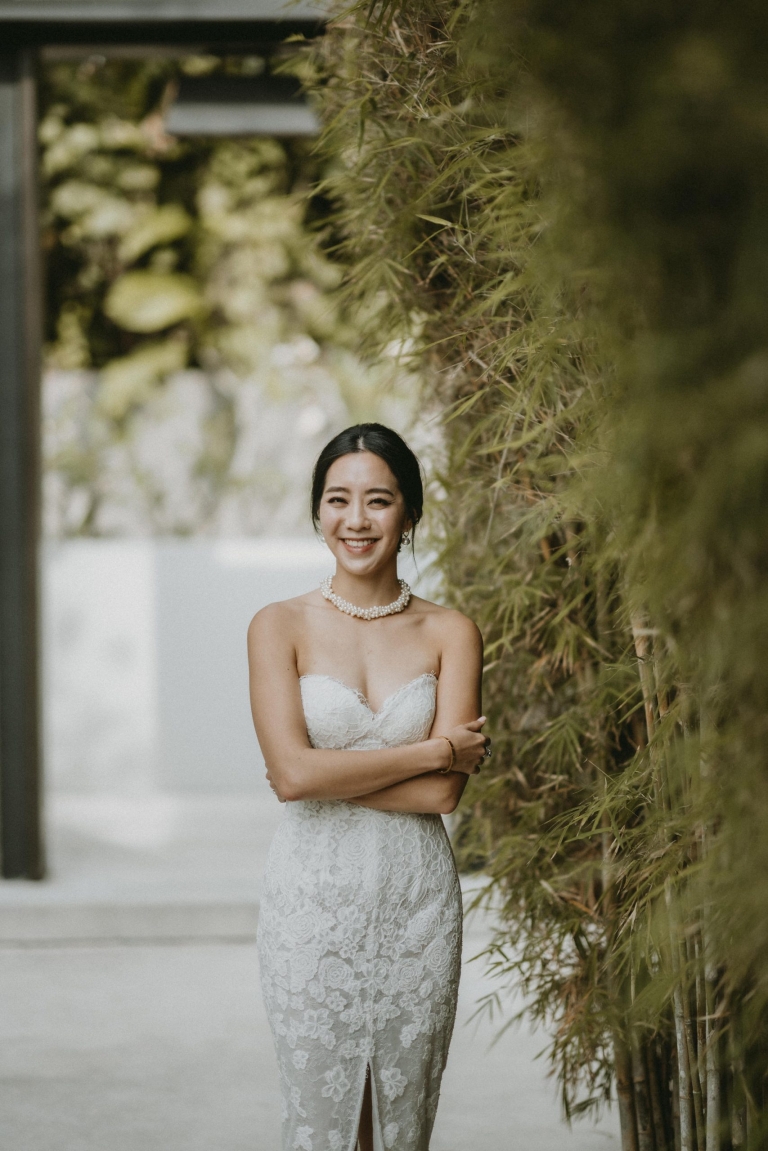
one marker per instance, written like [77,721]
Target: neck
[373,590]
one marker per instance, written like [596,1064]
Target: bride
[366,702]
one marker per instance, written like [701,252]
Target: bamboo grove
[559,210]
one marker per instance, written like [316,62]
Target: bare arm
[431,793]
[295,768]
[458,702]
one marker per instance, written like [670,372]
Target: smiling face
[362,512]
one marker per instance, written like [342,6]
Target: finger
[475,724]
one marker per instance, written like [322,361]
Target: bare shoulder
[282,618]
[452,627]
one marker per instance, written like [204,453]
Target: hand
[470,746]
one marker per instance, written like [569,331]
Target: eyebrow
[368,491]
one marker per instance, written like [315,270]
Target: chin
[360,564]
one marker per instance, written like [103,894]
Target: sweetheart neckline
[356,691]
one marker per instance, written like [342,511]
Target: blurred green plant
[569,197]
[166,254]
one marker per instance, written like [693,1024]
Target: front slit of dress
[378,1143]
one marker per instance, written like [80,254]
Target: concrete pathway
[130,1015]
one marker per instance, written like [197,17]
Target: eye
[380,500]
[336,500]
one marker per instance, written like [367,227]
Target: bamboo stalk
[641,635]
[621,1057]
[693,1045]
[738,1116]
[693,1066]
[642,1095]
[711,1029]
[738,1095]
[657,1110]
[709,1047]
[701,1015]
[676,1105]
[683,1077]
[688,1117]
[625,1093]
[712,1061]
[683,1068]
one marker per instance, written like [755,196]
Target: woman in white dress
[366,702]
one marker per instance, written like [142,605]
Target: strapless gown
[359,941]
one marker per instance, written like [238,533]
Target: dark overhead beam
[222,25]
[235,36]
[125,11]
[79,53]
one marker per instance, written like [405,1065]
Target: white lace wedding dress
[359,941]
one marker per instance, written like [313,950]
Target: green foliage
[458,213]
[133,217]
[561,207]
[148,301]
[166,254]
[665,114]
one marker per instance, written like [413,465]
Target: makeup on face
[361,506]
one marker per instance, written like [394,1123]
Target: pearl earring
[405,539]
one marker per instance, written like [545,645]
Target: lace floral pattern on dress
[360,941]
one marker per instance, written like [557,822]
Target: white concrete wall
[100,698]
[145,669]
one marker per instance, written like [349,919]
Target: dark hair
[386,444]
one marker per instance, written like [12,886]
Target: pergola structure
[27,27]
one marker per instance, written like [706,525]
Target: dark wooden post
[21,845]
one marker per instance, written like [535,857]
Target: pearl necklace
[366,612]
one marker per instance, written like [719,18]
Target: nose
[357,517]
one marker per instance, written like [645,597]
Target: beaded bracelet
[445,770]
